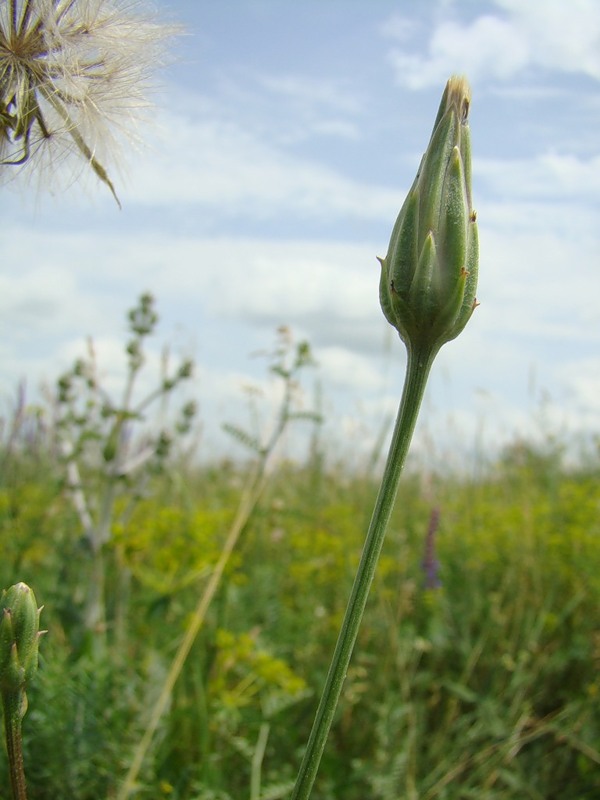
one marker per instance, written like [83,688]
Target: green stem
[13,714]
[257,761]
[250,497]
[417,373]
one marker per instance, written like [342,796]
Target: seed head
[73,79]
[429,275]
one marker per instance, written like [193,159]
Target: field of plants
[191,606]
[476,673]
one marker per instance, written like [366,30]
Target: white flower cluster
[73,79]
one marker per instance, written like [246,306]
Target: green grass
[487,687]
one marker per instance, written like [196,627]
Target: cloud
[308,94]
[39,299]
[561,36]
[547,176]
[552,35]
[582,377]
[230,171]
[327,288]
[487,45]
[292,107]
[343,368]
[250,212]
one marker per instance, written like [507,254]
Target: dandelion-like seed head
[74,76]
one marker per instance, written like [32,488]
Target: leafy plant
[289,361]
[104,460]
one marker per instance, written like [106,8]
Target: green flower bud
[19,637]
[429,275]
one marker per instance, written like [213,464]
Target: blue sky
[287,134]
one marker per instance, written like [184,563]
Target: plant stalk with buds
[427,292]
[19,642]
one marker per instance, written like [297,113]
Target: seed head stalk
[12,703]
[417,372]
[427,292]
[19,642]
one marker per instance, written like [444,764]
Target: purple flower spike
[430,564]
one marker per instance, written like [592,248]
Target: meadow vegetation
[192,610]
[476,673]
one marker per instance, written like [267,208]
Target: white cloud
[553,35]
[336,128]
[580,381]
[343,368]
[561,36]
[400,28]
[206,227]
[540,285]
[547,176]
[329,289]
[39,297]
[218,165]
[310,94]
[487,45]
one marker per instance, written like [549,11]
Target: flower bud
[19,637]
[429,275]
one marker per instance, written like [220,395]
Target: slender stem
[257,761]
[255,487]
[13,714]
[417,373]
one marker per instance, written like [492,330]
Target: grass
[485,687]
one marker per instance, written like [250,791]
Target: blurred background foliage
[486,686]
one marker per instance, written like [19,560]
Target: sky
[285,136]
